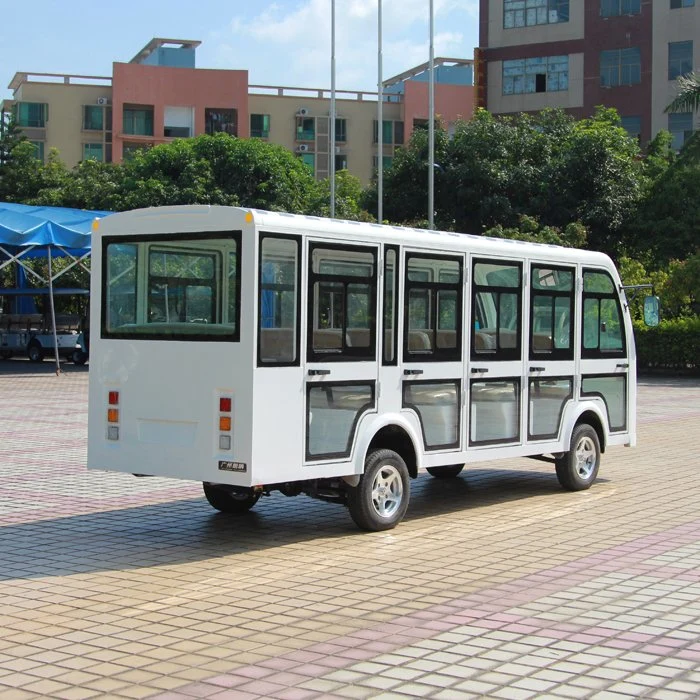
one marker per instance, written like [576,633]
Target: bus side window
[551,313]
[497,303]
[278,301]
[603,330]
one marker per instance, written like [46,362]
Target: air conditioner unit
[103,100]
[303,148]
[303,112]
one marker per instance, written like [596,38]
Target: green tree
[25,179]
[10,136]
[688,97]
[348,197]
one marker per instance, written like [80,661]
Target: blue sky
[277,41]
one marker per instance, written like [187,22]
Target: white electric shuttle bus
[257,351]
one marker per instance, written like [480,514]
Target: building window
[93,118]
[341,162]
[525,75]
[260,126]
[138,121]
[620,67]
[221,120]
[93,151]
[178,122]
[615,8]
[678,4]
[680,58]
[306,129]
[386,162]
[309,160]
[130,149]
[633,126]
[680,125]
[38,150]
[341,130]
[528,13]
[392,133]
[31,114]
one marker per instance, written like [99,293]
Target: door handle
[479,370]
[622,365]
[318,372]
[537,369]
[413,371]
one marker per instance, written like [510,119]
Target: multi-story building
[161,95]
[577,54]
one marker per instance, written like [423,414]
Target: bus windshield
[172,288]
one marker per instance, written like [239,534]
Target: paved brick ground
[498,584]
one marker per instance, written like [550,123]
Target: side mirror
[651,311]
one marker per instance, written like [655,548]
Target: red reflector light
[225,404]
[113,398]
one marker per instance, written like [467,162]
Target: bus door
[342,342]
[604,357]
[550,365]
[431,354]
[495,370]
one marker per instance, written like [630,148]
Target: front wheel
[380,500]
[228,499]
[446,472]
[79,357]
[577,469]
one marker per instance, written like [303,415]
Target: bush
[673,344]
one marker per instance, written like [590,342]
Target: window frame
[393,361]
[433,287]
[164,239]
[596,353]
[346,353]
[297,345]
[555,353]
[676,64]
[619,67]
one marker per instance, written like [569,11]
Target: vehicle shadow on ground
[23,366]
[183,531]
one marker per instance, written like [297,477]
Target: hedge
[673,344]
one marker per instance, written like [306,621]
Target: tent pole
[53,314]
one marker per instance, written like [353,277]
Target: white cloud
[288,43]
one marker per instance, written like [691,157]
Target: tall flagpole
[431,127]
[380,119]
[331,119]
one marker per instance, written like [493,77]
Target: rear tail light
[225,422]
[113,415]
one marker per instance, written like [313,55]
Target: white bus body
[255,351]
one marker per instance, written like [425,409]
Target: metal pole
[331,155]
[431,126]
[53,315]
[380,119]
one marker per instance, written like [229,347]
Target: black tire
[380,500]
[5,354]
[230,500]
[35,352]
[446,472]
[578,468]
[79,357]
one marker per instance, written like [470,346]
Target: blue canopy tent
[28,231]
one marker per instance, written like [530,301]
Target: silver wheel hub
[586,457]
[387,491]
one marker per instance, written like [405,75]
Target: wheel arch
[395,434]
[595,417]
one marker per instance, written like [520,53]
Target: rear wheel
[447,472]
[380,500]
[577,469]
[35,352]
[79,357]
[228,499]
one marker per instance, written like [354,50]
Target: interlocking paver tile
[498,583]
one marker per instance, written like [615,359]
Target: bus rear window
[161,288]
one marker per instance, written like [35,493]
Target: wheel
[35,352]
[79,357]
[447,472]
[577,469]
[5,354]
[380,500]
[229,500]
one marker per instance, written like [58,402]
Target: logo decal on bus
[227,466]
